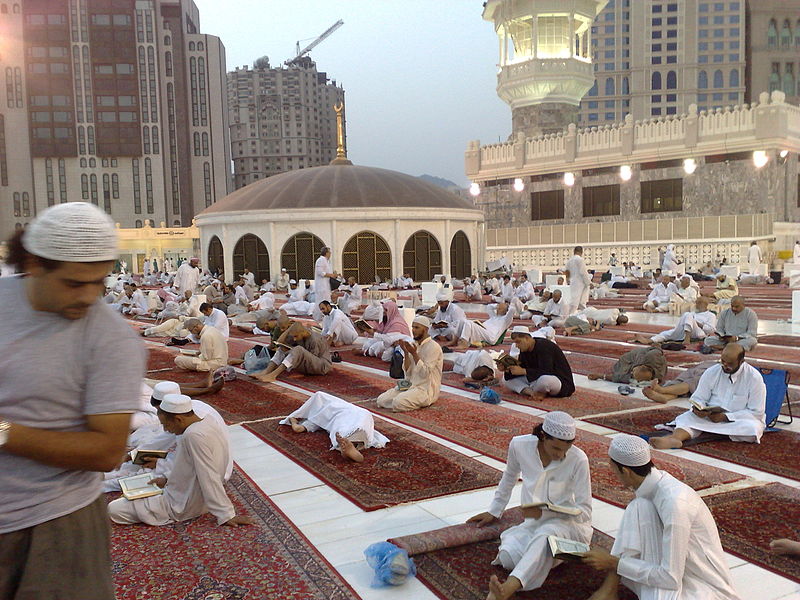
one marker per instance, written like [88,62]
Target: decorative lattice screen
[300,253]
[422,256]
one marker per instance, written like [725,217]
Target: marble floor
[341,531]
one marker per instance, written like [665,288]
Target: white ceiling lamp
[475,189]
[625,172]
[689,166]
[569,179]
[760,158]
[784,153]
[519,185]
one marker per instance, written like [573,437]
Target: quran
[507,360]
[711,409]
[564,510]
[188,352]
[139,486]
[564,549]
[139,456]
[362,325]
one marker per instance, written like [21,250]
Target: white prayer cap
[667,272]
[629,450]
[163,388]
[560,425]
[283,270]
[442,296]
[520,329]
[176,404]
[292,281]
[422,320]
[72,232]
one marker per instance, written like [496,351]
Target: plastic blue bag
[256,359]
[392,565]
[489,396]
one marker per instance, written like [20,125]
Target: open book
[362,325]
[139,486]
[139,456]
[507,360]
[564,549]
[564,510]
[282,346]
[711,409]
[189,352]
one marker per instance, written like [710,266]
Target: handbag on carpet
[396,365]
[673,346]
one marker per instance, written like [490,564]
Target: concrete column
[446,249]
[397,251]
[227,253]
[274,252]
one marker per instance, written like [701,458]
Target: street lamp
[474,189]
[519,185]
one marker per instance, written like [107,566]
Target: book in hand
[283,346]
[506,360]
[564,549]
[362,325]
[711,409]
[139,486]
[556,508]
[139,456]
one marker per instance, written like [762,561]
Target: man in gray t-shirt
[70,372]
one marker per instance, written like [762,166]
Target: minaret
[545,59]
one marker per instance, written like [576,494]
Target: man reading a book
[667,544]
[299,350]
[730,399]
[448,320]
[543,369]
[556,501]
[213,348]
[196,484]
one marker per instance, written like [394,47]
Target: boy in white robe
[351,428]
[337,327]
[196,484]
[553,470]
[667,546]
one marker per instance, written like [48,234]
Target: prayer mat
[749,519]
[780,340]
[198,559]
[777,453]
[410,468]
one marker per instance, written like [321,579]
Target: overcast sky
[419,75]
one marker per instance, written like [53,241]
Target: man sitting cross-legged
[196,483]
[449,319]
[487,332]
[738,324]
[555,471]
[684,384]
[732,398]
[422,366]
[691,326]
[300,350]
[639,364]
[543,369]
[337,328]
[213,348]
[667,545]
[350,427]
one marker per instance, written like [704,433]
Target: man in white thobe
[465,363]
[138,303]
[262,306]
[188,276]
[667,546]
[507,291]
[449,319]
[337,328]
[422,365]
[196,484]
[492,286]
[556,311]
[796,253]
[659,297]
[352,297]
[190,304]
[282,281]
[670,263]
[487,332]
[579,280]
[249,277]
[684,296]
[214,317]
[691,326]
[754,258]
[147,268]
[555,471]
[473,289]
[732,399]
[213,348]
[323,271]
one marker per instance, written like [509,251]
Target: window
[656,60]
[672,80]
[62,117]
[106,100]
[106,117]
[601,201]
[104,70]
[115,186]
[718,79]
[37,67]
[101,19]
[655,112]
[656,48]
[609,86]
[40,117]
[205,144]
[42,133]
[547,205]
[124,68]
[26,205]
[672,60]
[662,195]
[672,47]
[734,78]
[85,187]
[17,205]
[59,68]
[625,86]
[655,81]
[786,34]
[121,20]
[128,117]
[61,132]
[196,137]
[61,101]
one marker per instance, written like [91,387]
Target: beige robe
[213,352]
[425,376]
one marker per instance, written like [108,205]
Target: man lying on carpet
[196,484]
[487,332]
[300,350]
[422,366]
[692,326]
[637,365]
[477,366]
[738,324]
[337,328]
[684,384]
[350,427]
[543,369]
[593,319]
[554,471]
[667,544]
[731,400]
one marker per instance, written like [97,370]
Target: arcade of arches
[365,256]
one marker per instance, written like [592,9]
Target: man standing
[543,369]
[323,272]
[188,276]
[147,269]
[213,348]
[579,280]
[667,545]
[796,253]
[422,365]
[58,432]
[738,324]
[754,257]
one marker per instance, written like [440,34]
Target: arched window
[16,9]
[734,78]
[168,63]
[251,252]
[216,255]
[460,256]
[17,205]
[655,81]
[196,138]
[609,86]
[702,80]
[299,254]
[26,204]
[138,223]
[593,91]
[788,80]
[672,80]
[205,144]
[85,187]
[4,8]
[625,86]
[191,46]
[167,40]
[200,45]
[719,81]
[83,163]
[366,256]
[772,34]
[422,256]
[786,34]
[775,78]
[146,139]
[155,139]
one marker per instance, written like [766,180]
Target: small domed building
[377,222]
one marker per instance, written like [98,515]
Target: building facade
[281,119]
[116,102]
[773,49]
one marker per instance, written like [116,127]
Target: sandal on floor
[336,358]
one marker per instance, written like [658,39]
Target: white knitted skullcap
[629,450]
[520,329]
[162,388]
[176,404]
[72,232]
[560,425]
[442,296]
[422,320]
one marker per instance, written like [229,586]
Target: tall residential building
[657,57]
[117,102]
[281,119]
[773,49]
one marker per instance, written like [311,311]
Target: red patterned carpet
[198,560]
[749,519]
[777,453]
[410,468]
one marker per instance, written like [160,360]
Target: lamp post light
[569,179]
[689,166]
[519,185]
[625,172]
[760,158]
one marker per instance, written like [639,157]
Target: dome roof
[338,186]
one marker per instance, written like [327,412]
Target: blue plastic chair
[777,382]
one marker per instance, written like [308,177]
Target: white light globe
[625,172]
[689,166]
[519,185]
[760,158]
[474,189]
[569,179]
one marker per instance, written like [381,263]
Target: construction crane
[315,43]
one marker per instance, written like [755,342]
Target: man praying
[637,365]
